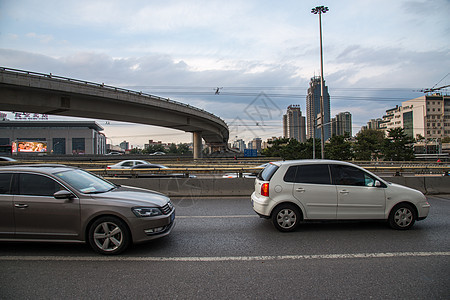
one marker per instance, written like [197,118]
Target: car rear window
[267,173]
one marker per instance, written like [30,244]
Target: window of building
[4,141]
[59,146]
[78,146]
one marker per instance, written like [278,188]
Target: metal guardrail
[241,171]
[109,87]
[178,171]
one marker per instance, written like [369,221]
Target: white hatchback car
[289,192]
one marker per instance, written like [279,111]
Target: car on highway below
[158,153]
[7,158]
[289,192]
[61,203]
[127,164]
[245,174]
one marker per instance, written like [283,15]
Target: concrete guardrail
[221,187]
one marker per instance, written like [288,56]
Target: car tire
[109,235]
[286,217]
[402,217]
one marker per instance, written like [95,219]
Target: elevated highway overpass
[55,95]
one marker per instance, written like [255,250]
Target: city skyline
[242,61]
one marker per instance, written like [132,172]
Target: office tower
[342,124]
[313,109]
[294,124]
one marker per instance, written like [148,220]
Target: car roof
[41,168]
[6,158]
[311,162]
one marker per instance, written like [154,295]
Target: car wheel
[286,217]
[402,217]
[109,235]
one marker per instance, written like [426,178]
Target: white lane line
[212,217]
[224,258]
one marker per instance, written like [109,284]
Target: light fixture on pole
[321,10]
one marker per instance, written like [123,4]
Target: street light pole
[321,10]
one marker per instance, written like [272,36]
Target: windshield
[85,182]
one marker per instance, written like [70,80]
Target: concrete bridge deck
[49,94]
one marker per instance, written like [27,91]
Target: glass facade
[408,124]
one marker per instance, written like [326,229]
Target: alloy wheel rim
[108,236]
[286,218]
[403,217]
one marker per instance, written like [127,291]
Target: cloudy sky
[262,54]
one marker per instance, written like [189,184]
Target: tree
[275,147]
[135,151]
[291,149]
[398,145]
[154,148]
[339,148]
[179,149]
[446,139]
[183,149]
[369,144]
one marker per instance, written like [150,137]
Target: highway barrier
[221,187]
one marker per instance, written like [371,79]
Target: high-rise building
[373,124]
[124,145]
[342,124]
[294,126]
[313,109]
[255,144]
[239,144]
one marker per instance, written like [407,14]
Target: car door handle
[344,192]
[21,205]
[301,190]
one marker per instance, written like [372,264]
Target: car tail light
[265,189]
[108,167]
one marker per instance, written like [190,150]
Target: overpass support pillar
[197,144]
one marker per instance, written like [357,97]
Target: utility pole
[321,10]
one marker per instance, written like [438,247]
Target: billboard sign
[29,147]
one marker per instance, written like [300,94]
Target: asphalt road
[220,249]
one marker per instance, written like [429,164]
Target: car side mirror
[63,194]
[377,183]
